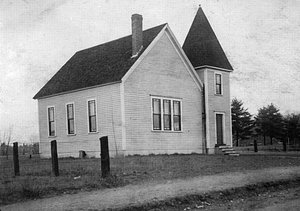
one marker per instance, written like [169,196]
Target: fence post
[255,146]
[54,158]
[16,159]
[284,145]
[105,168]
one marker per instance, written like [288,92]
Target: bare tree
[6,139]
[2,143]
[34,142]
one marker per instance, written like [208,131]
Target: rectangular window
[156,114]
[218,84]
[176,115]
[166,114]
[51,121]
[70,119]
[92,116]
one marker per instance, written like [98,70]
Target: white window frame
[67,122]
[215,83]
[223,126]
[88,117]
[48,121]
[162,114]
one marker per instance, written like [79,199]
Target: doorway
[219,129]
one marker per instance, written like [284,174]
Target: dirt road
[138,194]
[291,205]
[271,196]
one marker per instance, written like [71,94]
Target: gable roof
[102,64]
[202,46]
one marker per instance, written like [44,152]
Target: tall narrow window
[156,114]
[70,119]
[218,84]
[51,122]
[167,114]
[176,115]
[92,116]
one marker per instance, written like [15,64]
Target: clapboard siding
[218,103]
[108,122]
[162,73]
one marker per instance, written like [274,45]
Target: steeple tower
[202,46]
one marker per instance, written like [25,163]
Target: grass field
[278,147]
[36,179]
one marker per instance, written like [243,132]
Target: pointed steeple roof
[202,46]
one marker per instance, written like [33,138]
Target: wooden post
[105,168]
[54,158]
[16,159]
[255,146]
[284,145]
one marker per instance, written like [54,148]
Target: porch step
[235,154]
[228,150]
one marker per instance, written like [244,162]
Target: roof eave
[76,90]
[213,67]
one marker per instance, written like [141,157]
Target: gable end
[166,30]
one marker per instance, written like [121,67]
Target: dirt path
[138,194]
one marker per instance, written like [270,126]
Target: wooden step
[230,152]
[234,154]
[224,147]
[227,150]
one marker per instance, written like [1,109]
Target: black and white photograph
[109,105]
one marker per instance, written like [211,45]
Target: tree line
[269,123]
[7,138]
[6,150]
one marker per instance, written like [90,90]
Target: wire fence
[29,164]
[34,165]
[74,167]
[37,166]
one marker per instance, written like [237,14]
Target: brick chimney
[137,33]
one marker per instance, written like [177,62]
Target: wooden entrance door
[219,126]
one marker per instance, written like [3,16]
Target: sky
[260,39]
